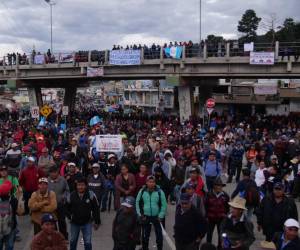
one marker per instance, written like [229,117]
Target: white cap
[111,156]
[14,145]
[291,223]
[292,141]
[95,165]
[71,164]
[31,158]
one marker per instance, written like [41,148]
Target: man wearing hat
[190,226]
[45,161]
[60,187]
[48,238]
[212,170]
[72,175]
[42,201]
[238,230]
[28,180]
[110,171]
[217,208]
[289,239]
[96,182]
[274,210]
[125,230]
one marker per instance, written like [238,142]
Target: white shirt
[260,177]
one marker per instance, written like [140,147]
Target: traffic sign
[46,110]
[65,110]
[210,103]
[34,110]
[209,110]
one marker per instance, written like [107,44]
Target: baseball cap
[31,158]
[95,165]
[151,177]
[291,223]
[48,218]
[13,145]
[278,185]
[2,167]
[194,170]
[273,157]
[185,198]
[71,164]
[190,185]
[128,202]
[111,156]
[43,180]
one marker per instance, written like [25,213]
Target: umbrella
[95,120]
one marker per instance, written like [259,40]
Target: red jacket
[29,178]
[216,207]
[200,186]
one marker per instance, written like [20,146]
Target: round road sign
[210,103]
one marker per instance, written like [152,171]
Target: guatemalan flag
[174,52]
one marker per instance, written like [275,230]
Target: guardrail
[205,50]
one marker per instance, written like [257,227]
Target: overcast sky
[98,24]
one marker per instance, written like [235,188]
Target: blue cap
[185,198]
[48,218]
[128,202]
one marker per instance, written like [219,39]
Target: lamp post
[200,28]
[51,4]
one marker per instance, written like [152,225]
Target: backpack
[141,201]
[5,218]
[252,195]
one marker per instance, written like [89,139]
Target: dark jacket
[189,225]
[97,185]
[241,186]
[85,210]
[240,231]
[125,227]
[216,207]
[271,215]
[292,245]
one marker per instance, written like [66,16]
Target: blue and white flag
[174,52]
[95,120]
[42,122]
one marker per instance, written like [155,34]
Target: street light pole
[200,21]
[51,4]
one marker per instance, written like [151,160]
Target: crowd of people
[56,176]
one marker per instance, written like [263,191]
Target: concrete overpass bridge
[191,69]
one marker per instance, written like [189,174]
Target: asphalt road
[102,237]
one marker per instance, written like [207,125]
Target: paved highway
[102,238]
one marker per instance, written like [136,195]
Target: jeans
[7,242]
[147,230]
[86,230]
[105,198]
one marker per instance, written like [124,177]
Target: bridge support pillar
[69,98]
[35,96]
[186,100]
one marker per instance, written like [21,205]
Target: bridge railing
[206,50]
